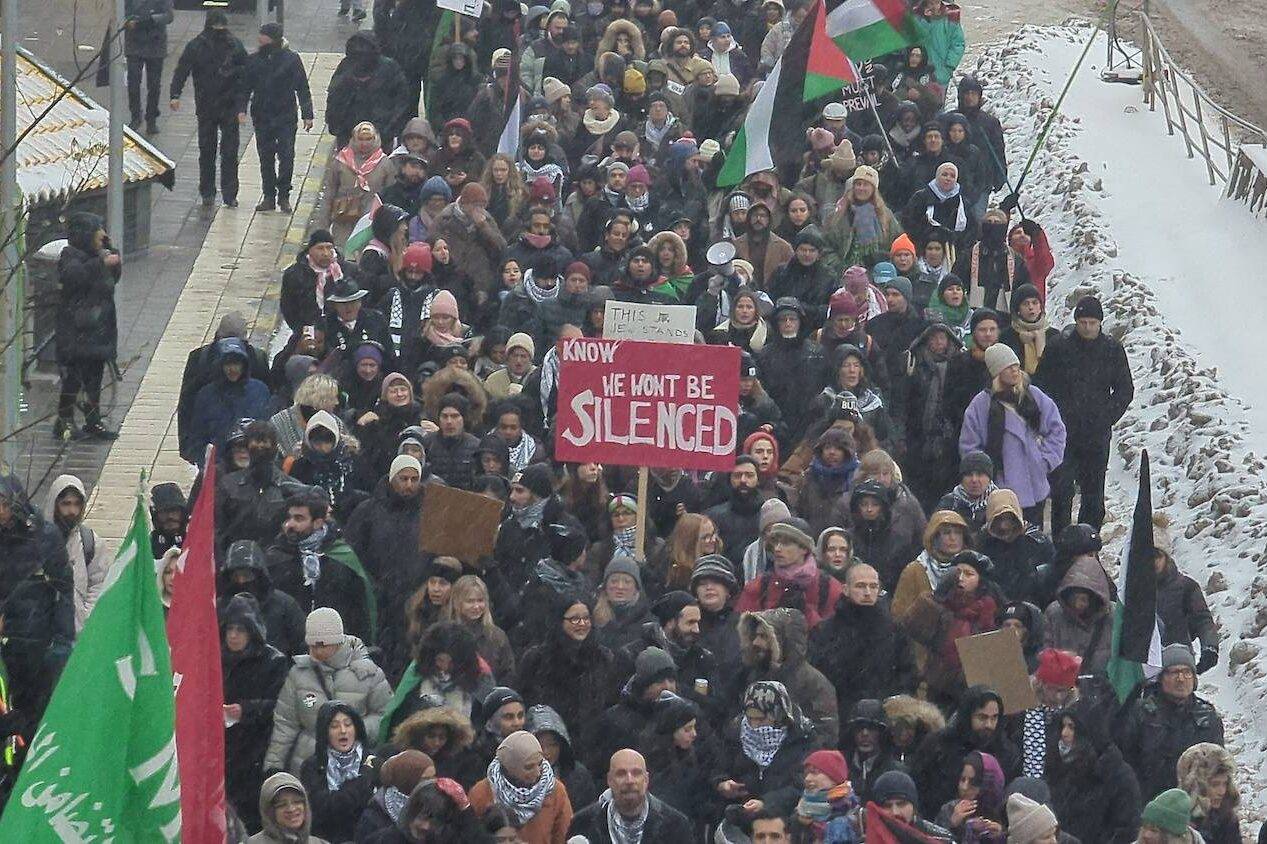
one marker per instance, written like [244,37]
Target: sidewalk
[238,268]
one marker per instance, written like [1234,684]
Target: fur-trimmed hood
[607,44]
[680,264]
[409,732]
[911,712]
[787,631]
[453,380]
[1197,765]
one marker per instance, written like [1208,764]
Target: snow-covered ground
[1133,220]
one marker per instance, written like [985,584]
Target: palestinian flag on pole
[811,66]
[362,232]
[866,29]
[508,142]
[1136,640]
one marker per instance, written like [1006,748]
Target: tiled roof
[68,150]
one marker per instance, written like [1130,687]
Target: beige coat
[90,575]
[339,183]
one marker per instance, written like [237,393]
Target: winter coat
[452,458]
[965,377]
[939,758]
[1090,381]
[792,373]
[277,87]
[202,367]
[406,31]
[864,654]
[738,525]
[343,190]
[456,759]
[252,679]
[251,504]
[335,812]
[946,212]
[548,826]
[1154,731]
[943,39]
[89,555]
[576,680]
[888,543]
[863,773]
[775,252]
[148,38]
[278,612]
[664,823]
[476,248]
[811,286]
[1016,563]
[1094,792]
[219,405]
[86,325]
[342,584]
[779,784]
[895,332]
[350,676]
[693,664]
[217,61]
[298,302]
[840,235]
[1029,455]
[787,632]
[1092,639]
[272,833]
[366,86]
[1183,611]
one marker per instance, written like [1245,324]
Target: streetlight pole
[118,93]
[10,218]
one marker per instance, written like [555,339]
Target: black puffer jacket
[1089,380]
[252,678]
[279,614]
[336,811]
[87,327]
[864,654]
[452,458]
[366,86]
[1094,793]
[1154,732]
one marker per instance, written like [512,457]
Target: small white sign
[470,8]
[651,322]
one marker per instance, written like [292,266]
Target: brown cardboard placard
[995,659]
[456,523]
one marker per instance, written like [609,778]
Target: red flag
[194,634]
[881,827]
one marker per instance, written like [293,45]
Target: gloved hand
[1009,202]
[1209,659]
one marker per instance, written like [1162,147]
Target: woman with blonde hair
[507,193]
[318,391]
[693,536]
[469,604]
[353,177]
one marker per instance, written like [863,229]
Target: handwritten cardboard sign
[995,659]
[456,523]
[649,322]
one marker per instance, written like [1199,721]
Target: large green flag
[102,766]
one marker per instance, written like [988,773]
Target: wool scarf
[620,829]
[761,743]
[1033,337]
[523,803]
[597,126]
[866,223]
[530,515]
[343,766]
[325,275]
[623,540]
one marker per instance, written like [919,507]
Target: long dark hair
[456,640]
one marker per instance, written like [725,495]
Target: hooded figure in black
[805,278]
[976,725]
[932,433]
[235,394]
[278,96]
[244,570]
[682,776]
[791,365]
[254,672]
[374,267]
[868,746]
[368,86]
[36,602]
[556,745]
[987,132]
[874,539]
[340,775]
[457,81]
[406,30]
[87,332]
[1094,792]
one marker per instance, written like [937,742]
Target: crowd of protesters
[777,661]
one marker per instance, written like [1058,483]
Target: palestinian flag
[866,29]
[444,27]
[811,66]
[508,142]
[1136,640]
[362,232]
[881,827]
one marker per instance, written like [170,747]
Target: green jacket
[943,39]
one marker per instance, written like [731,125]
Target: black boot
[266,204]
[151,126]
[283,203]
[97,431]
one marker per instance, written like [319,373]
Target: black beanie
[320,236]
[667,606]
[537,478]
[273,31]
[1089,306]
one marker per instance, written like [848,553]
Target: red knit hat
[578,268]
[1058,668]
[418,257]
[830,762]
[843,302]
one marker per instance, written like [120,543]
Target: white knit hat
[404,461]
[324,627]
[1027,821]
[999,357]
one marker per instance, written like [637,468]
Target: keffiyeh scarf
[521,455]
[536,292]
[523,803]
[623,540]
[342,766]
[310,556]
[621,829]
[530,515]
[761,743]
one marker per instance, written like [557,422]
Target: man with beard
[244,570]
[967,374]
[682,64]
[762,248]
[792,368]
[567,308]
[676,630]
[310,562]
[860,649]
[383,531]
[451,449]
[276,84]
[654,673]
[523,538]
[169,513]
[251,502]
[89,557]
[868,747]
[627,806]
[408,299]
[974,726]
[738,519]
[304,283]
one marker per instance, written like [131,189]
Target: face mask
[538,241]
[1066,750]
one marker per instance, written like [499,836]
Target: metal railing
[1208,129]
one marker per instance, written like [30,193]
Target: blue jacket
[220,404]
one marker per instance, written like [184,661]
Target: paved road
[56,30]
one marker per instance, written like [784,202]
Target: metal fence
[1208,130]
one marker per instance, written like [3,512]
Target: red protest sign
[634,403]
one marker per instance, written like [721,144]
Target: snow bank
[1134,221]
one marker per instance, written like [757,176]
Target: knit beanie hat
[976,463]
[739,202]
[1027,821]
[867,174]
[999,357]
[1169,811]
[554,89]
[521,341]
[1177,654]
[498,697]
[600,92]
[902,285]
[579,268]
[418,257]
[672,712]
[538,478]
[718,568]
[1088,306]
[623,564]
[830,762]
[404,461]
[903,243]
[404,770]
[1058,668]
[390,379]
[668,605]
[786,531]
[324,626]
[444,304]
[894,785]
[772,510]
[473,193]
[517,748]
[651,665]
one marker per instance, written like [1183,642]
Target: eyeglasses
[577,620]
[1180,673]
